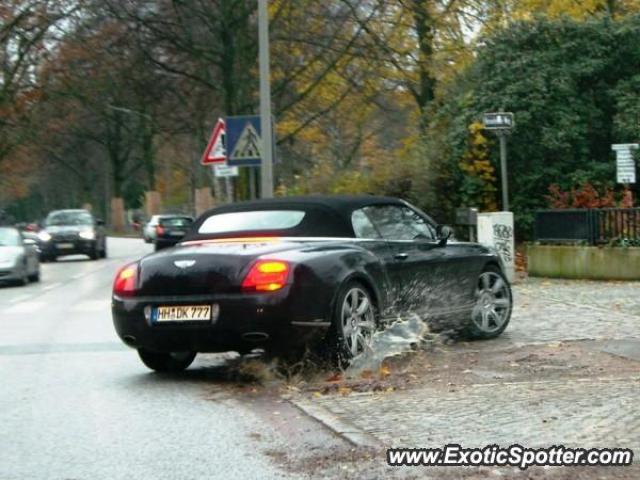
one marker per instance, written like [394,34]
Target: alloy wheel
[358,320]
[493,302]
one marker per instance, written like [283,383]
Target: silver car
[18,257]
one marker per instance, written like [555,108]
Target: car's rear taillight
[126,279]
[266,276]
[159,230]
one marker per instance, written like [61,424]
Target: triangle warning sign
[215,151]
[248,145]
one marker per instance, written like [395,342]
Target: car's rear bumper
[245,322]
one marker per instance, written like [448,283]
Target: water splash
[399,337]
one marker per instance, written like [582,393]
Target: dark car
[291,273]
[170,230]
[70,232]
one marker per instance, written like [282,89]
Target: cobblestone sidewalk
[576,408]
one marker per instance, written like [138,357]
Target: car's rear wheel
[353,324]
[166,362]
[493,304]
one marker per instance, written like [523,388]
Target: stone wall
[598,263]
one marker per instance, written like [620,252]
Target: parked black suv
[70,232]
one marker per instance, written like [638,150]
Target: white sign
[224,170]
[496,230]
[498,121]
[625,162]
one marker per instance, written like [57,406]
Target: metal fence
[592,227]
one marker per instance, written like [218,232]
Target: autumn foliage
[587,196]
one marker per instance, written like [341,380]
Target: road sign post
[265,101]
[501,123]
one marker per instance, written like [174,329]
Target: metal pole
[252,183]
[228,189]
[265,101]
[503,171]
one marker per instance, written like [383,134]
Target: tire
[353,324]
[103,252]
[24,278]
[166,362]
[95,254]
[494,303]
[36,276]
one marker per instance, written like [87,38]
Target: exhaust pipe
[255,336]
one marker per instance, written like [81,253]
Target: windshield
[266,220]
[68,218]
[9,237]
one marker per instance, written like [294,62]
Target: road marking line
[20,299]
[92,306]
[26,307]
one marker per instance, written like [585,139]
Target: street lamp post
[266,182]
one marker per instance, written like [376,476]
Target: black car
[70,232]
[170,230]
[291,273]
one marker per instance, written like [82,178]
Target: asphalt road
[76,404]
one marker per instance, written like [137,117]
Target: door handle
[401,256]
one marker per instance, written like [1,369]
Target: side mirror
[99,222]
[443,232]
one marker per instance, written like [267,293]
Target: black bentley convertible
[299,272]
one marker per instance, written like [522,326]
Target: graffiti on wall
[503,242]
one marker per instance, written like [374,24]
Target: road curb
[340,427]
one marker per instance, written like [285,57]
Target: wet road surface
[76,404]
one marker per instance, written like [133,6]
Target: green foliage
[571,87]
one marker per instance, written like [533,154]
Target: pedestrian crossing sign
[244,142]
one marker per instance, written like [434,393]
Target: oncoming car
[303,272]
[70,232]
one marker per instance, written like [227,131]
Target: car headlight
[44,236]
[88,234]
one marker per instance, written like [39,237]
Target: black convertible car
[287,274]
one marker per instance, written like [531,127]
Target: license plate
[64,245]
[184,313]
[177,233]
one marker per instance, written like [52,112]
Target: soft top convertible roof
[325,215]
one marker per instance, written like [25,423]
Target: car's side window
[362,226]
[400,223]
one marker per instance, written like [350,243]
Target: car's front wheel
[353,324]
[166,362]
[493,304]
